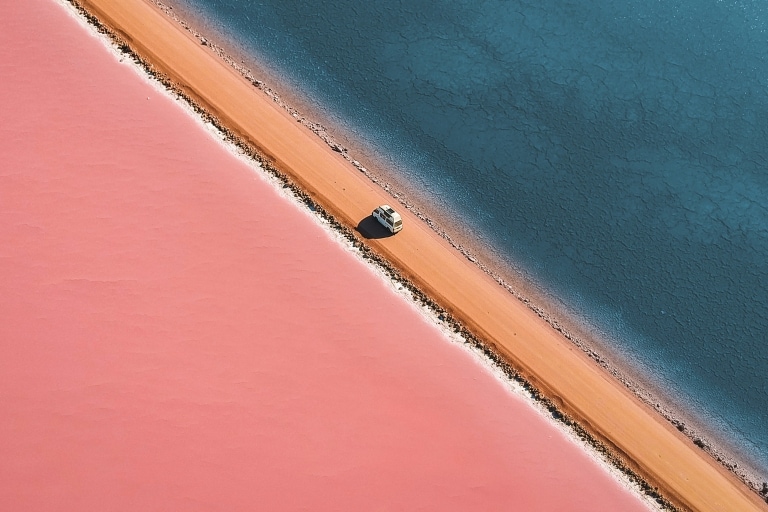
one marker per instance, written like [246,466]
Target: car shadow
[372,229]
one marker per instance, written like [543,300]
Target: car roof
[390,212]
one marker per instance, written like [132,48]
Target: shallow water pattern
[615,149]
[177,335]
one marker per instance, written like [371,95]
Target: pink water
[174,335]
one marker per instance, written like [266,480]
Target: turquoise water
[615,150]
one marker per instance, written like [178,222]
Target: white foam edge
[397,288]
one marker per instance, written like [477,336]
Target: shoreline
[183,317]
[310,199]
[517,282]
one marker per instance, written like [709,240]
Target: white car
[388,217]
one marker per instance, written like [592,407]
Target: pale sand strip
[663,456]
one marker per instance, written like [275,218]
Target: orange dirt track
[664,457]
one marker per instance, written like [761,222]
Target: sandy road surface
[662,455]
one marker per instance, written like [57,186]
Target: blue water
[615,150]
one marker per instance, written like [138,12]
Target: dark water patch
[613,150]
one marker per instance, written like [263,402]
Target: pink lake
[176,335]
